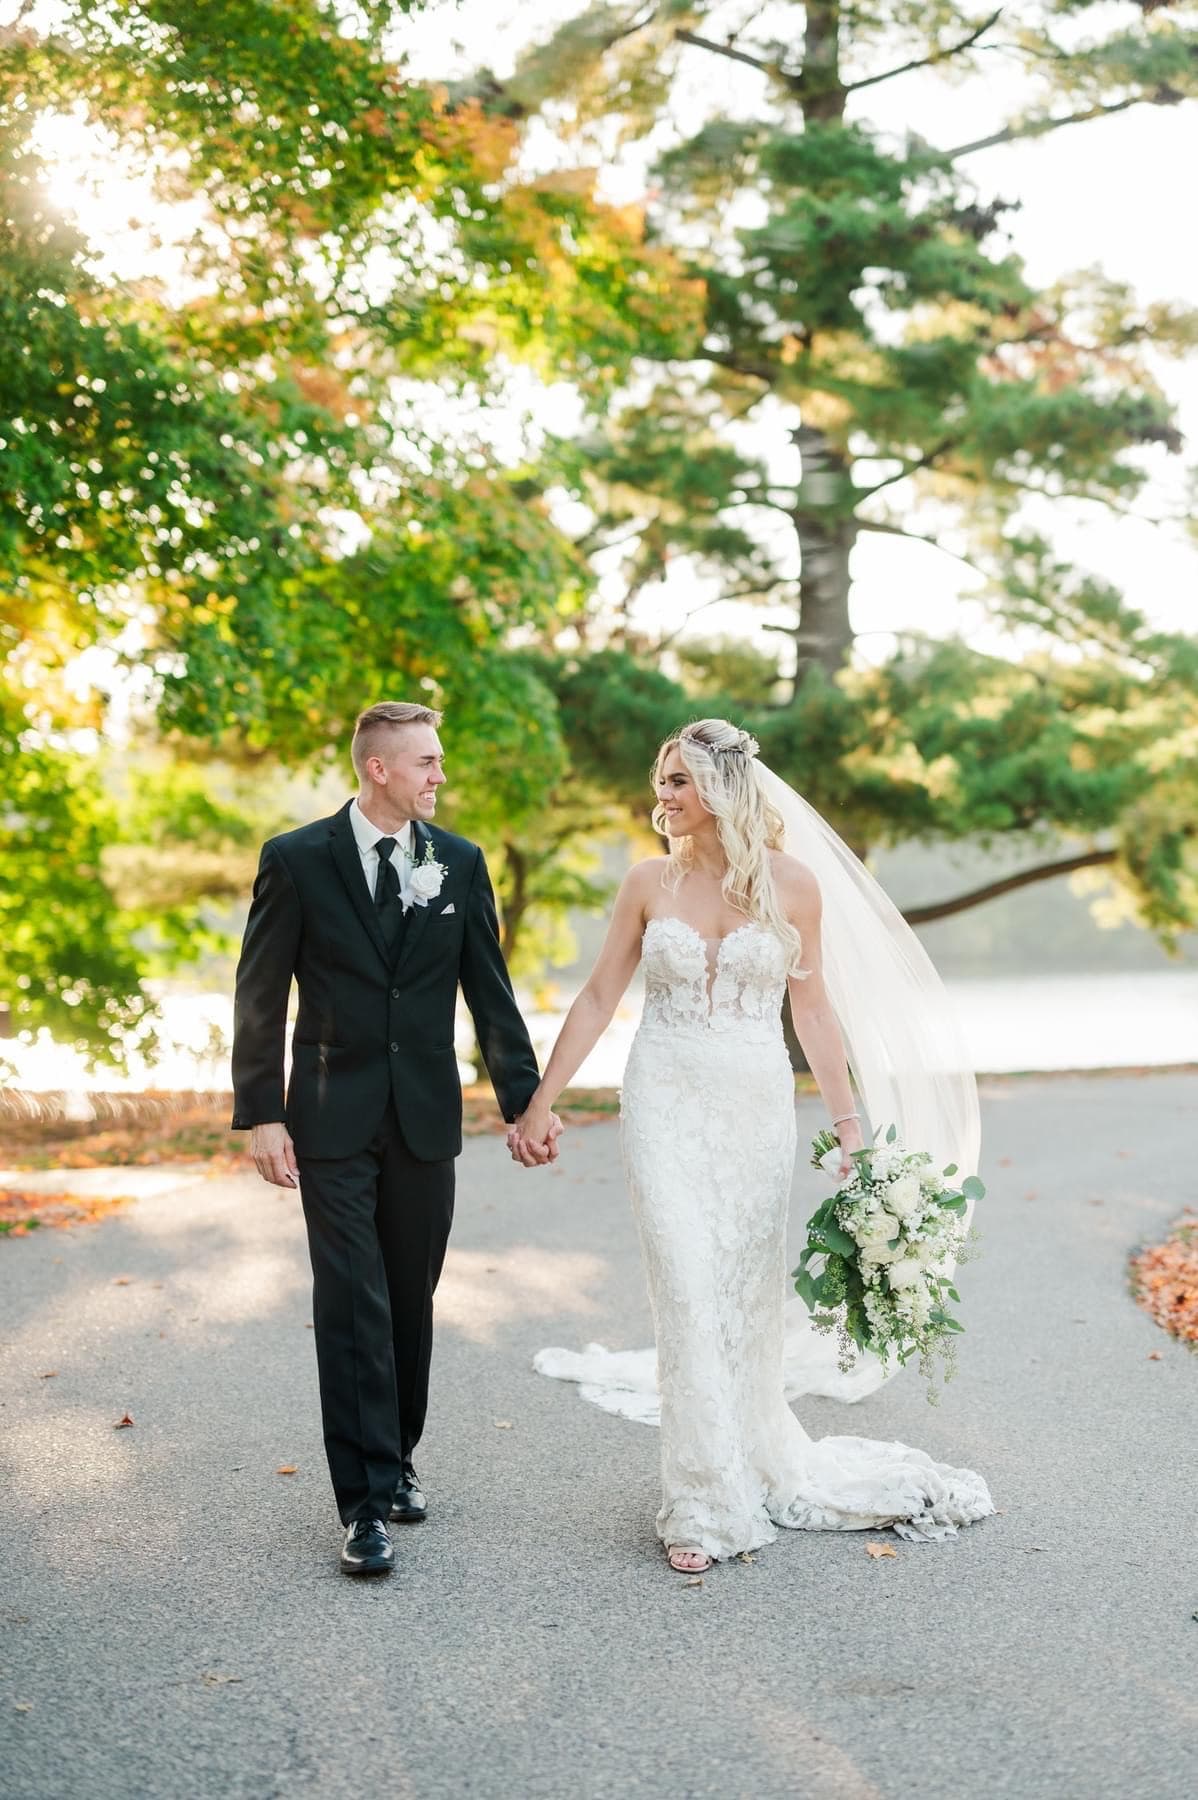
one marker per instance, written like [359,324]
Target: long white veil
[902,1040]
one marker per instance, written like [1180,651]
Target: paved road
[173,1623]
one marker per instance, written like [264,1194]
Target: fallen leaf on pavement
[1164,1279]
[22,1706]
[121,1280]
[503,1424]
[746,1558]
[287,1469]
[876,1550]
[1154,1356]
[125,1419]
[47,1374]
[694,1581]
[217,1678]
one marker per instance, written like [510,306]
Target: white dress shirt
[366,836]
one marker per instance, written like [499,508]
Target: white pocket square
[445,910]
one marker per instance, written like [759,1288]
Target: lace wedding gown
[708,1137]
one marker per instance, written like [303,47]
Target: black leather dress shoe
[367,1549]
[409,1506]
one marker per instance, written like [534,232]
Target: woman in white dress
[723,924]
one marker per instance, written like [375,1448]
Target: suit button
[395,993]
[395,1046]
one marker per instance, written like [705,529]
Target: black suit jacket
[366,1029]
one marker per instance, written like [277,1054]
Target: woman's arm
[815,1022]
[591,1013]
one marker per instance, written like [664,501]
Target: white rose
[904,1274]
[876,1228]
[426,881]
[875,1255]
[902,1196]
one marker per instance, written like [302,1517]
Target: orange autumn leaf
[876,1550]
[125,1419]
[1164,1279]
[287,1469]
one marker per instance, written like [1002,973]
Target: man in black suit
[378,915]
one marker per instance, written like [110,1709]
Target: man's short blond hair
[371,725]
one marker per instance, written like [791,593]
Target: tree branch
[919,537]
[589,545]
[742,56]
[912,468]
[726,360]
[1040,127]
[1089,859]
[926,62]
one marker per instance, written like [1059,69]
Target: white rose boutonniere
[424,881]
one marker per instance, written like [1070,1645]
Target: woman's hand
[532,1140]
[851,1138]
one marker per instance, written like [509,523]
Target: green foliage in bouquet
[886,1241]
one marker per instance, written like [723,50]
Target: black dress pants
[378,1223]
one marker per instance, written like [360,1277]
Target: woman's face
[685,813]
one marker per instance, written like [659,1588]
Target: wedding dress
[708,1143]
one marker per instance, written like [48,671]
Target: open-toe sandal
[699,1563]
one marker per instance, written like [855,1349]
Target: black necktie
[386,892]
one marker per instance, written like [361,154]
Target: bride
[723,924]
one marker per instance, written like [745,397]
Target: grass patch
[38,1131]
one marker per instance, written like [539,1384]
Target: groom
[377,915]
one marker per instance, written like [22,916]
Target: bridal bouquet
[886,1238]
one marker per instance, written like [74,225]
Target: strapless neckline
[673,919]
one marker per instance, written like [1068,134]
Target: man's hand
[532,1140]
[274,1155]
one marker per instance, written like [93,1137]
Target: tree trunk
[823,516]
[515,898]
[820,87]
[826,533]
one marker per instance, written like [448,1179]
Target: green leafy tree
[858,289]
[239,488]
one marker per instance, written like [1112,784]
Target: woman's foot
[688,1559]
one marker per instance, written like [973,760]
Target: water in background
[1038,1022]
[1074,1021]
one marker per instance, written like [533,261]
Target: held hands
[274,1155]
[532,1140]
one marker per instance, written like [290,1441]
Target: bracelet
[844,1117]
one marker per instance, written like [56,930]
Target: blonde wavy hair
[720,759]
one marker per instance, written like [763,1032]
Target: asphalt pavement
[173,1623]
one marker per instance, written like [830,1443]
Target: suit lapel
[344,847]
[418,916]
